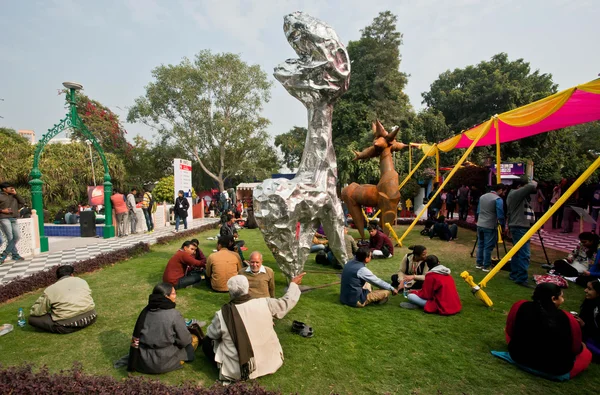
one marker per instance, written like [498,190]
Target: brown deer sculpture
[385,195]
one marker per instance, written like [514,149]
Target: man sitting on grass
[241,341]
[356,288]
[380,244]
[175,272]
[222,265]
[66,306]
[444,231]
[260,277]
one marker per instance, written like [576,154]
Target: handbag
[529,214]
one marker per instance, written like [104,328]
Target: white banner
[183,178]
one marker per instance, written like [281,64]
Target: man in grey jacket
[10,204]
[518,223]
[131,206]
[490,213]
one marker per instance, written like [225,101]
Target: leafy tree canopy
[291,144]
[210,108]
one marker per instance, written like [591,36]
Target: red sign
[96,195]
[185,167]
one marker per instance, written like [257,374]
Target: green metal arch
[73,121]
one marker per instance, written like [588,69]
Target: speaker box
[87,223]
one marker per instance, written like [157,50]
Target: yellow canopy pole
[409,157]
[483,132]
[365,215]
[437,165]
[433,147]
[541,221]
[376,214]
[498,158]
[392,233]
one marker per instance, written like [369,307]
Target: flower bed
[24,381]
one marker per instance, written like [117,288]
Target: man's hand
[407,279]
[298,279]
[394,292]
[580,321]
[6,211]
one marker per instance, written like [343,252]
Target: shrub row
[185,234]
[44,278]
[23,380]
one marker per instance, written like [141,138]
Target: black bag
[321,258]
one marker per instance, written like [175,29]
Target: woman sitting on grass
[544,338]
[412,269]
[161,341]
[589,317]
[438,295]
[580,259]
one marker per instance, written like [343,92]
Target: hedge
[23,380]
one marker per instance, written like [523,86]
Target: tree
[376,92]
[210,108]
[150,161]
[469,96]
[103,124]
[291,145]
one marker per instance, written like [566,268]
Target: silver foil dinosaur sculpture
[290,211]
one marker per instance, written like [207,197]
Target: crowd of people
[241,341]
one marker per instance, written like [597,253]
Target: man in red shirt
[438,295]
[176,268]
[380,244]
[120,207]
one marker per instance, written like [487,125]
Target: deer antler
[367,153]
[392,135]
[379,130]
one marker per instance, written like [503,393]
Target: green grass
[377,349]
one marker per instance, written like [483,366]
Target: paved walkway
[65,250]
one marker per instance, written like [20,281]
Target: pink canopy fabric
[570,107]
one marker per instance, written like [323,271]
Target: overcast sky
[110,46]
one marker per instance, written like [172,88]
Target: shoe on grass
[478,267]
[485,269]
[408,305]
[525,284]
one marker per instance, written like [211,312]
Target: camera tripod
[504,242]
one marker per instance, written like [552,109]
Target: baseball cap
[5,185]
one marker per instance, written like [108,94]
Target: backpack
[152,203]
[321,258]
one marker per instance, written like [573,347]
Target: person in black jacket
[181,210]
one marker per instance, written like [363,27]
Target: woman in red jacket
[438,294]
[542,337]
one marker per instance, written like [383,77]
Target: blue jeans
[520,261]
[487,241]
[317,247]
[148,217]
[414,299]
[192,278]
[184,219]
[11,231]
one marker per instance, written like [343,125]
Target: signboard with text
[183,178]
[514,169]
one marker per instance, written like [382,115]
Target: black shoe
[547,267]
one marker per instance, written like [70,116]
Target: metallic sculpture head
[322,73]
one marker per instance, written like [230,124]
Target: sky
[111,46]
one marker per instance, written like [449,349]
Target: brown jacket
[221,266]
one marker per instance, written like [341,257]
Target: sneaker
[478,267]
[485,269]
[18,258]
[409,306]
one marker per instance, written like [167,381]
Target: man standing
[131,208]
[66,306]
[380,244]
[175,272]
[261,278]
[120,207]
[241,340]
[463,202]
[519,223]
[222,265]
[147,204]
[10,203]
[356,290]
[490,213]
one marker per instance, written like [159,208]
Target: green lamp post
[70,121]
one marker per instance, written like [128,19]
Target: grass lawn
[377,349]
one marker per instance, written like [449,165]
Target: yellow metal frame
[394,235]
[483,132]
[468,278]
[412,172]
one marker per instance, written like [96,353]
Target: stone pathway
[65,250]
